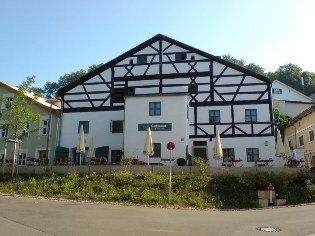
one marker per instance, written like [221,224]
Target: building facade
[289,101]
[183,94]
[35,144]
[300,133]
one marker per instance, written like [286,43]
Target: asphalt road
[30,216]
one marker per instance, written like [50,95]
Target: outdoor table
[264,162]
[232,163]
[295,163]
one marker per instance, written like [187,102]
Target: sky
[50,38]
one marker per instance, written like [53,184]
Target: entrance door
[116,157]
[42,154]
[200,152]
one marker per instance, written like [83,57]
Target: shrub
[181,162]
[202,164]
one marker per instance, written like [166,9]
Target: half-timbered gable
[238,98]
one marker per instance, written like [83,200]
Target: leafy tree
[234,60]
[251,66]
[50,88]
[280,120]
[19,113]
[256,68]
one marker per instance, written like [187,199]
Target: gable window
[301,140]
[228,154]
[180,57]
[156,150]
[142,59]
[86,127]
[8,102]
[4,133]
[311,134]
[154,108]
[252,154]
[276,91]
[214,116]
[250,115]
[193,88]
[118,95]
[117,126]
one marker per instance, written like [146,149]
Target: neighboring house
[312,95]
[34,145]
[289,101]
[301,130]
[183,94]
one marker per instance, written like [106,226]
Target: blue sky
[51,38]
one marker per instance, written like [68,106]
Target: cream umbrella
[217,148]
[286,147]
[280,152]
[148,147]
[91,152]
[81,144]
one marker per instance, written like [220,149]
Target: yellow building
[300,133]
[36,144]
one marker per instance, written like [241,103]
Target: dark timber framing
[214,96]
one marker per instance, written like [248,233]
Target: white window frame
[4,131]
[41,123]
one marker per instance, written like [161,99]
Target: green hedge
[224,191]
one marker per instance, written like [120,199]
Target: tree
[234,60]
[280,120]
[256,68]
[251,66]
[50,88]
[18,117]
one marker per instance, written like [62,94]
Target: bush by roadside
[224,191]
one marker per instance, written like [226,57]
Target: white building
[182,93]
[289,101]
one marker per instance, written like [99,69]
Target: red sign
[170,146]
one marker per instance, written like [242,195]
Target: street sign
[170,146]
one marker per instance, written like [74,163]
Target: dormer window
[142,59]
[180,57]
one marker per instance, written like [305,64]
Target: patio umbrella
[280,152]
[148,147]
[91,152]
[286,147]
[217,148]
[81,144]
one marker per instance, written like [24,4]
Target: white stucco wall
[173,110]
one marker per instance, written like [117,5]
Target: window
[250,115]
[131,61]
[118,95]
[214,116]
[311,133]
[192,58]
[200,143]
[86,127]
[156,150]
[44,127]
[228,154]
[180,57]
[117,126]
[4,133]
[22,159]
[154,108]
[252,154]
[8,102]
[301,140]
[290,144]
[27,130]
[142,59]
[193,88]
[276,91]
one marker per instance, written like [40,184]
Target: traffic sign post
[170,146]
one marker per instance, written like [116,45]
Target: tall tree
[234,60]
[18,116]
[251,66]
[256,68]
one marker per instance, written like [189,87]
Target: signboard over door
[155,127]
